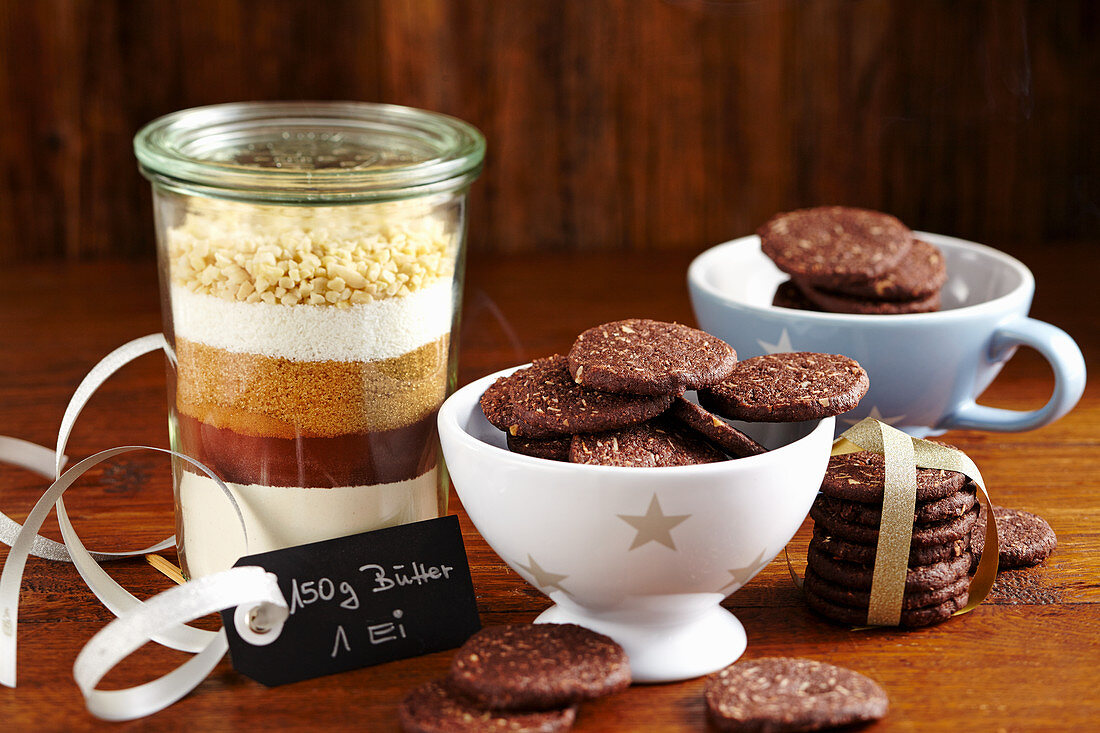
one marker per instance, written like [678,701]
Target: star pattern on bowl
[654,525]
[744,574]
[541,577]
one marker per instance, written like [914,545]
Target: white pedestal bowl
[644,555]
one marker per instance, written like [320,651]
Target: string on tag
[161,619]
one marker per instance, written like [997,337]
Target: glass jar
[311,262]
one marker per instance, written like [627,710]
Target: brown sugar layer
[257,395]
[354,459]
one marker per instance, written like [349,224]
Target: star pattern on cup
[874,413]
[654,525]
[782,346]
[541,577]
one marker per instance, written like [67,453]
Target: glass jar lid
[310,152]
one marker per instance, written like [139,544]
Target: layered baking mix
[312,351]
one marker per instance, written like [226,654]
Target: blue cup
[926,369]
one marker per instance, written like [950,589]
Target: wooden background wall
[612,124]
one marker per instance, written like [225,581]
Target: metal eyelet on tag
[257,625]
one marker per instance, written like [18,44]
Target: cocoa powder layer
[265,396]
[355,459]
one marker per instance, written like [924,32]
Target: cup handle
[1065,358]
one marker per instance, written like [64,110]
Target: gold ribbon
[903,455]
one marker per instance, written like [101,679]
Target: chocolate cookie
[860,599]
[640,356]
[538,666]
[835,302]
[786,694]
[788,295]
[498,405]
[858,576]
[919,273]
[937,510]
[912,617]
[865,554]
[545,400]
[435,708]
[552,449]
[714,429]
[1024,539]
[496,402]
[788,388]
[860,476]
[829,246]
[646,445]
[924,535]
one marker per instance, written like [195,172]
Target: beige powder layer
[212,538]
[267,396]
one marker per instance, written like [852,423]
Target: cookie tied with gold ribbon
[893,529]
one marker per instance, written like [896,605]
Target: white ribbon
[49,463]
[42,460]
[126,634]
[161,619]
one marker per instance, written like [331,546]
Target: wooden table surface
[1027,659]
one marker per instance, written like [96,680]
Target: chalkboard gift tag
[361,600]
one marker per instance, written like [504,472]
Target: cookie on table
[912,617]
[435,708]
[860,477]
[926,512]
[1024,539]
[835,302]
[788,694]
[655,443]
[544,401]
[788,295]
[858,576]
[788,388]
[714,429]
[538,666]
[865,554]
[917,275]
[924,535]
[830,246]
[552,449]
[641,356]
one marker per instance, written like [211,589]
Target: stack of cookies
[618,398]
[846,260]
[518,678]
[842,552]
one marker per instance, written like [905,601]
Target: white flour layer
[381,329]
[280,516]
